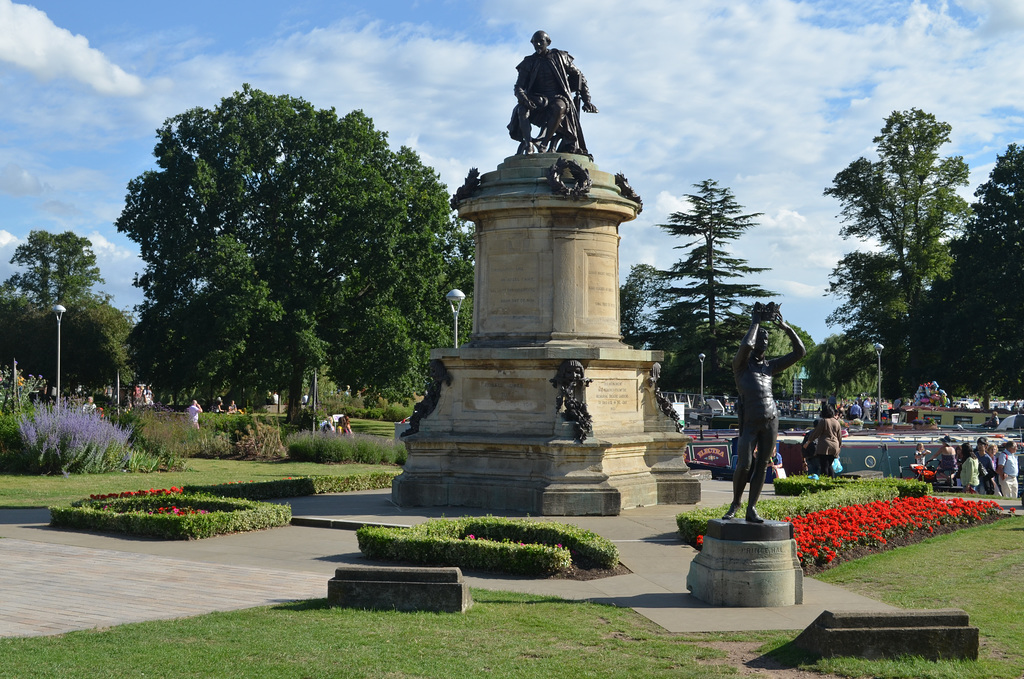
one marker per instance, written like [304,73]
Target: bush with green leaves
[10,436]
[59,439]
[322,447]
[516,546]
[174,516]
[300,486]
[800,485]
[692,524]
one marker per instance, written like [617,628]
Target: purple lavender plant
[64,440]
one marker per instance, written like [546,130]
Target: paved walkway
[54,581]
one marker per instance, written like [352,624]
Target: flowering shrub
[14,396]
[189,517]
[489,543]
[821,536]
[58,439]
[173,490]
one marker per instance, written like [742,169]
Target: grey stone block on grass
[934,635]
[399,588]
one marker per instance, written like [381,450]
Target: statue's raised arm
[550,92]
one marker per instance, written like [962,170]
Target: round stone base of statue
[747,564]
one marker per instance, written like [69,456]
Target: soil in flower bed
[577,573]
[896,542]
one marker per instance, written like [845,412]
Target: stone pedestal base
[747,564]
[498,440]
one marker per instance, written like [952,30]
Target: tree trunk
[295,394]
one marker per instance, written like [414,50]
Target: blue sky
[769,97]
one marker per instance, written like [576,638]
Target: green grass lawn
[375,427]
[502,635]
[45,491]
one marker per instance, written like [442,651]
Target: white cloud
[17,181]
[106,249]
[29,39]
[7,238]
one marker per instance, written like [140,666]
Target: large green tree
[278,239]
[980,308]
[902,209]
[59,268]
[841,365]
[639,298]
[706,289]
[94,337]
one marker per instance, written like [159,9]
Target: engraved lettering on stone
[602,286]
[513,283]
[501,395]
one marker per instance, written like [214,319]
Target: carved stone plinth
[545,410]
[747,564]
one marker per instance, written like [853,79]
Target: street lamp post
[700,418]
[701,357]
[59,311]
[455,298]
[878,350]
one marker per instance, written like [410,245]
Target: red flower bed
[138,493]
[821,536]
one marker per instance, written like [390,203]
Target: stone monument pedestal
[747,564]
[545,410]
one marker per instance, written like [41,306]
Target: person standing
[987,463]
[969,467]
[828,438]
[193,413]
[1006,468]
[756,409]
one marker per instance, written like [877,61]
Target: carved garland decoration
[579,173]
[439,376]
[628,192]
[569,380]
[664,405]
[468,188]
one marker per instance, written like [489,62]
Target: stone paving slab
[50,588]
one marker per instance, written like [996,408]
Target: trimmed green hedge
[137,516]
[300,486]
[799,485]
[490,543]
[692,524]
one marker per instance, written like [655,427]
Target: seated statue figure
[549,90]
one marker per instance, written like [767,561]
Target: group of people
[984,468]
[340,424]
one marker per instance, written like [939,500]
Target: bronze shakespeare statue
[758,418]
[550,90]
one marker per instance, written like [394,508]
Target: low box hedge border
[138,516]
[515,546]
[692,524]
[299,486]
[799,485]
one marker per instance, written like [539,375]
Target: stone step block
[934,635]
[399,588]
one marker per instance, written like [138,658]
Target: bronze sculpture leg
[761,435]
